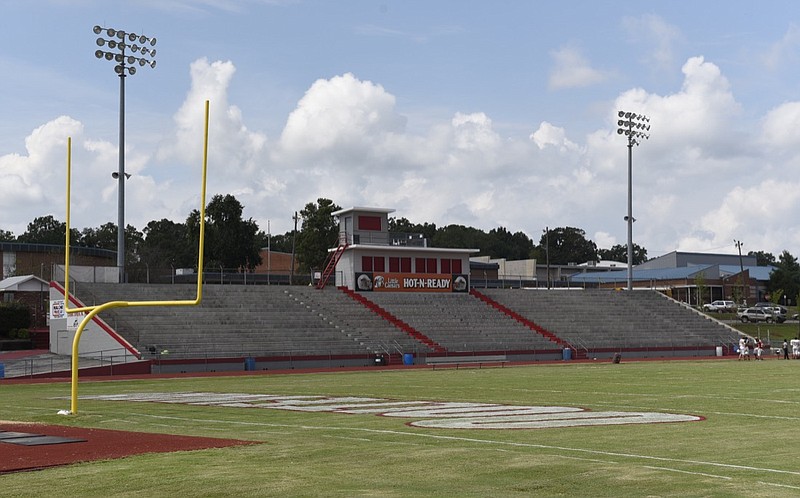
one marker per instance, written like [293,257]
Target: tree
[500,243]
[6,236]
[763,258]
[619,252]
[402,225]
[48,230]
[276,242]
[167,245]
[785,279]
[459,236]
[319,233]
[230,241]
[702,289]
[104,237]
[565,245]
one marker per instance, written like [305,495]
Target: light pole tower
[119,42]
[633,126]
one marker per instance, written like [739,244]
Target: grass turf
[747,445]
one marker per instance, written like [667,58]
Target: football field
[649,428]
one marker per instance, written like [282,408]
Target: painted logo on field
[428,414]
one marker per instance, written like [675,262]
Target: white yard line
[482,441]
[687,472]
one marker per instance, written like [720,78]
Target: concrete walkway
[40,361]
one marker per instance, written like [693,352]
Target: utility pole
[294,236]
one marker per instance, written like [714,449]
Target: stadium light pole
[119,42]
[634,126]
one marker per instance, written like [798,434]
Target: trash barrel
[2,370]
[719,351]
[408,359]
[249,364]
[566,354]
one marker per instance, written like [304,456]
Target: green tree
[500,243]
[619,252]
[402,225]
[319,233]
[276,242]
[104,237]
[459,236]
[231,241]
[167,245]
[565,245]
[763,258]
[702,288]
[6,236]
[48,230]
[785,278]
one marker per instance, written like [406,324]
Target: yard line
[687,472]
[480,441]
[777,485]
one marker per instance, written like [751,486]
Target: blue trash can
[566,354]
[249,364]
[408,359]
[2,370]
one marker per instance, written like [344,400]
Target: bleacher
[600,319]
[230,321]
[281,321]
[461,322]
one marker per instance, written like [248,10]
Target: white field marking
[364,439]
[687,472]
[777,485]
[747,398]
[459,415]
[552,420]
[480,441]
[730,414]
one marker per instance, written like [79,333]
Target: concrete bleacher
[281,321]
[601,319]
[461,322]
[230,321]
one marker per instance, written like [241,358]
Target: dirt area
[95,444]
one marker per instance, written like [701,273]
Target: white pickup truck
[720,306]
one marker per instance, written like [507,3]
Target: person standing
[785,350]
[742,347]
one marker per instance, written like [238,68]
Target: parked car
[720,306]
[779,312]
[756,315]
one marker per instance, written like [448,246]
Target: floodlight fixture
[634,127]
[117,43]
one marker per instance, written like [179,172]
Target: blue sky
[478,113]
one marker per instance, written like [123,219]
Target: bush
[23,334]
[13,316]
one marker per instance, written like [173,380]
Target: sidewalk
[39,361]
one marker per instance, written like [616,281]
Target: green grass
[748,444]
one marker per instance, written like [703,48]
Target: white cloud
[31,182]
[783,51]
[549,135]
[573,70]
[698,182]
[781,127]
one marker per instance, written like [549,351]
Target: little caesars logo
[427,414]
